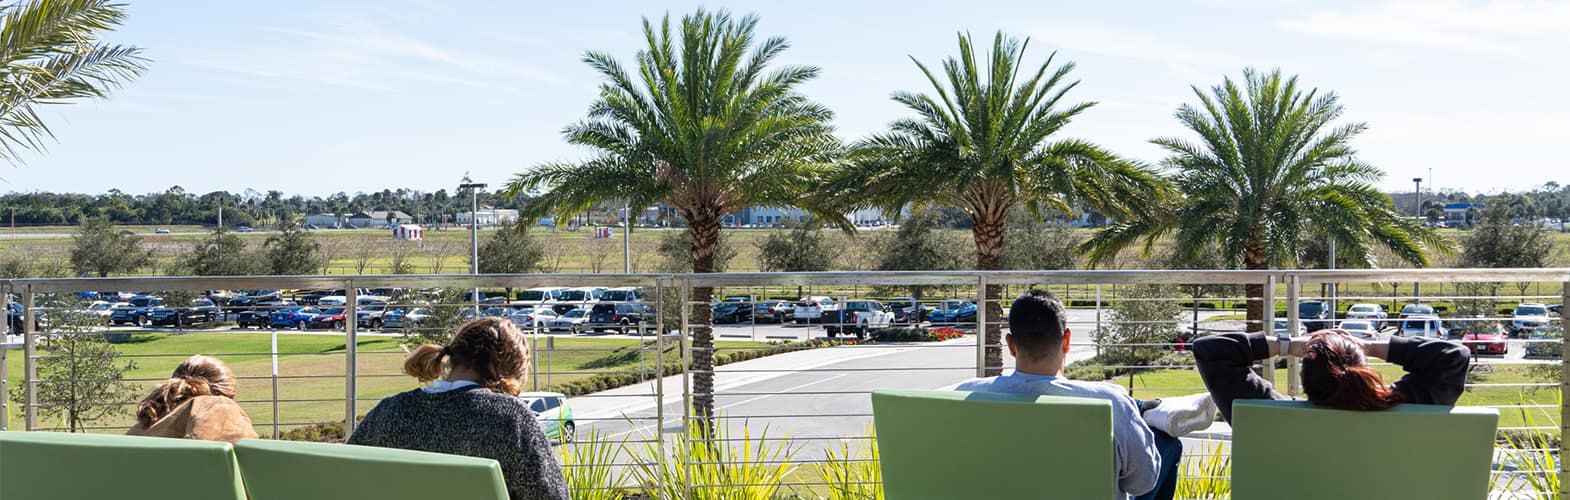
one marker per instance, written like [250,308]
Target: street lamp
[474,236]
[1417,198]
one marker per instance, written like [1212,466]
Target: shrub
[715,467]
[852,473]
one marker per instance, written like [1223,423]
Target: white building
[489,216]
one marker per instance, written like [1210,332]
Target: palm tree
[704,127]
[984,143]
[1270,173]
[50,53]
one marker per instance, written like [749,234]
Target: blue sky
[317,97]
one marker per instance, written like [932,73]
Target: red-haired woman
[1335,371]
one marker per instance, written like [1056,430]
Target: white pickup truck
[858,317]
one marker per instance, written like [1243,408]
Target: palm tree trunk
[988,232]
[1259,313]
[705,232]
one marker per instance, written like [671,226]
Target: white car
[536,297]
[571,321]
[811,309]
[577,298]
[1371,312]
[1528,316]
[629,295]
[1362,329]
[102,309]
[535,317]
[1281,327]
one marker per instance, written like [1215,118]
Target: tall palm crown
[1270,172]
[703,126]
[50,53]
[983,142]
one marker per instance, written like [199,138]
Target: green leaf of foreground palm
[984,142]
[703,126]
[1270,172]
[49,54]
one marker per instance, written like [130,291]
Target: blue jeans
[1171,451]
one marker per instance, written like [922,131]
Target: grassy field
[1167,383]
[311,369]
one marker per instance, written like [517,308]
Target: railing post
[5,332]
[1564,395]
[1293,322]
[351,350]
[29,362]
[981,326]
[1268,325]
[659,382]
[1094,335]
[686,358]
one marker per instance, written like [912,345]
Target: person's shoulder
[976,384]
[1100,389]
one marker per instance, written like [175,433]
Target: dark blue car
[293,317]
[138,312]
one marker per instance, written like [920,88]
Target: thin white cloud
[1104,39]
[1499,27]
[380,43]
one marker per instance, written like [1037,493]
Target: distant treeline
[176,206]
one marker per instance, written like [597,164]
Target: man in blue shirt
[1038,339]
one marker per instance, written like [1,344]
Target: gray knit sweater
[470,421]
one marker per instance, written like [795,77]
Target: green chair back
[65,466]
[1287,450]
[289,470]
[953,444]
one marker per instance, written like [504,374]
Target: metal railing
[811,397]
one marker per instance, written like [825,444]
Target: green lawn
[1166,383]
[320,362]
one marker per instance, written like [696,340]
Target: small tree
[293,251]
[224,254]
[439,253]
[1033,245]
[99,249]
[599,254]
[400,258]
[80,377]
[919,246]
[1142,314]
[511,251]
[798,250]
[676,249]
[363,254]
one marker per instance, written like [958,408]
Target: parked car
[1528,316]
[220,298]
[1427,326]
[496,312]
[906,310]
[1546,342]
[243,229]
[535,317]
[14,313]
[859,317]
[292,317]
[621,316]
[1412,310]
[259,318]
[331,318]
[1314,315]
[255,298]
[160,231]
[137,310]
[341,297]
[572,321]
[1374,313]
[1279,326]
[1363,329]
[405,318]
[101,309]
[1557,310]
[812,309]
[1482,337]
[553,414]
[623,294]
[771,311]
[200,311]
[535,297]
[577,298]
[371,316]
[953,311]
[314,297]
[732,312]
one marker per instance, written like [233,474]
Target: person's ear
[1067,336]
[1008,338]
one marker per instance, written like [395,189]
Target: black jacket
[1435,369]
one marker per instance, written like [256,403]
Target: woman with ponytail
[1335,371]
[196,402]
[471,407]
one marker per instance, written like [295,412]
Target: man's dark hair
[1037,321]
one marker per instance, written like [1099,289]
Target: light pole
[626,238]
[1417,198]
[474,234]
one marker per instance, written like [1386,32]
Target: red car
[1485,339]
[330,319]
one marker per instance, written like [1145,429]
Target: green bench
[288,470]
[1288,450]
[62,466]
[952,444]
